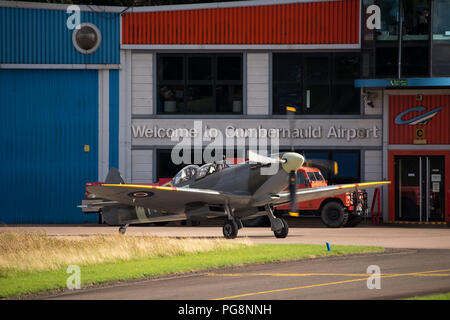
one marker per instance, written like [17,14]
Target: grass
[442,296]
[38,252]
[31,263]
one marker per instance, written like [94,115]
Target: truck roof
[308,169]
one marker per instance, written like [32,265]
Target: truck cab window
[301,179]
[311,176]
[318,176]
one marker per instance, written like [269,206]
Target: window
[318,176]
[348,162]
[389,13]
[386,61]
[415,40]
[414,20]
[311,176]
[348,166]
[415,61]
[287,81]
[199,83]
[319,83]
[441,37]
[86,38]
[301,179]
[165,167]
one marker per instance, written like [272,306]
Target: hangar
[59,109]
[71,114]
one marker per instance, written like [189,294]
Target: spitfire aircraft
[234,191]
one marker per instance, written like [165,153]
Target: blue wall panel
[47,116]
[41,37]
[114,118]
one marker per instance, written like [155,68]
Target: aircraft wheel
[230,229]
[283,232]
[122,229]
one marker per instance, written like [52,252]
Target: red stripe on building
[328,22]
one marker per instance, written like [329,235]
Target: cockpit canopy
[205,170]
[194,172]
[186,174]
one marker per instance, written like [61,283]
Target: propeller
[290,111]
[317,163]
[259,158]
[322,164]
[293,194]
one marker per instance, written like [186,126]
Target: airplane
[222,189]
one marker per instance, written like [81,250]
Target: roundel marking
[140,194]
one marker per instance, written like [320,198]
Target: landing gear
[279,226]
[230,229]
[283,232]
[123,229]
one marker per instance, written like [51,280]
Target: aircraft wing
[170,199]
[321,192]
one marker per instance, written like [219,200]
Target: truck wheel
[334,215]
[353,220]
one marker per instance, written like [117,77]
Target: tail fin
[114,177]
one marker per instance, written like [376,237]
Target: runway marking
[419,273]
[212,274]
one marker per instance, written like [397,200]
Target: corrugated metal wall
[114,118]
[328,22]
[42,37]
[47,118]
[437,130]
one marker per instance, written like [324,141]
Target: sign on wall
[419,121]
[345,132]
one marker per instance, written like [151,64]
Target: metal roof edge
[58,6]
[218,5]
[177,7]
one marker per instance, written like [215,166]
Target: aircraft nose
[292,161]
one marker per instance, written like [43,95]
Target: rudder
[114,177]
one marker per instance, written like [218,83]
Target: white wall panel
[373,165]
[372,170]
[142,83]
[142,166]
[258,83]
[103,124]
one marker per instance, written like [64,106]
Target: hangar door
[49,124]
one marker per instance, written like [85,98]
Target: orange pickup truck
[346,209]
